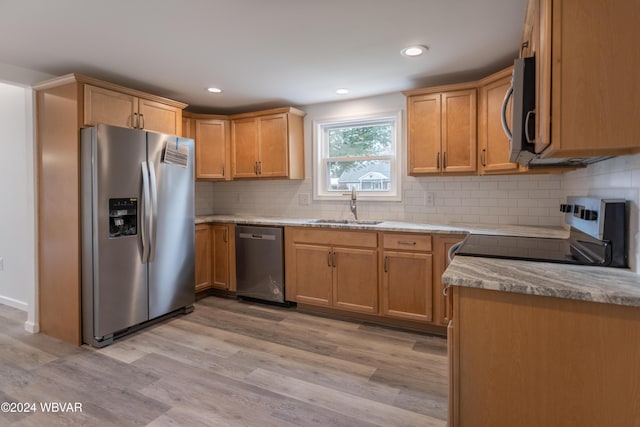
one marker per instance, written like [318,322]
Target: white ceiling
[262,53]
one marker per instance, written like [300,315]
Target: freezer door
[172,261]
[114,276]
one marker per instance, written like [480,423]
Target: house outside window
[361,153]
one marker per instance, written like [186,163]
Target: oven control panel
[589,214]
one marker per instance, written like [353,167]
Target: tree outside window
[358,154]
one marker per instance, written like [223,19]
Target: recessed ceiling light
[412,51]
[342,91]
[214,90]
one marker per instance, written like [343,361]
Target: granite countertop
[452,228]
[578,282]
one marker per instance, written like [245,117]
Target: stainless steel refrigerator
[137,229]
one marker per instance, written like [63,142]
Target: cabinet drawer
[335,237]
[407,242]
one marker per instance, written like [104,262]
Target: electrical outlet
[428,198]
[304,199]
[1,264]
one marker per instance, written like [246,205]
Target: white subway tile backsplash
[471,199]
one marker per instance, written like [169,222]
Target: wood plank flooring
[230,363]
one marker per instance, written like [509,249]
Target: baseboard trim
[11,302]
[31,327]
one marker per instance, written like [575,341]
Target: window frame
[321,156]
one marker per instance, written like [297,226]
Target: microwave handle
[526,126]
[503,116]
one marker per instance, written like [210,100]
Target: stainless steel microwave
[522,134]
[523,95]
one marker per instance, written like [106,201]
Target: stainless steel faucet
[354,208]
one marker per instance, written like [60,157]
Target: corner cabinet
[213,150]
[268,144]
[441,126]
[215,257]
[588,97]
[64,105]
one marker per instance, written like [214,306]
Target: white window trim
[319,171]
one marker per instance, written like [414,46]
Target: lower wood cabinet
[215,257]
[407,277]
[223,256]
[532,360]
[332,268]
[386,274]
[203,257]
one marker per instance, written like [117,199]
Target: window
[359,153]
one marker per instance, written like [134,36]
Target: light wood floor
[230,363]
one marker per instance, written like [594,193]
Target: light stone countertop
[578,282]
[452,228]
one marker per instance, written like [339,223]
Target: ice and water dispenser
[123,217]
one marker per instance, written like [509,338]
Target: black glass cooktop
[512,247]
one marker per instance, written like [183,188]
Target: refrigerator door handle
[154,212]
[146,212]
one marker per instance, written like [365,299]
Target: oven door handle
[605,244]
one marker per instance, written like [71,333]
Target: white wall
[17,211]
[18,285]
[615,178]
[526,200]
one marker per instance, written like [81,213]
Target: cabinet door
[494,144]
[407,286]
[109,107]
[203,257]
[313,272]
[355,279]
[212,140]
[220,257]
[244,147]
[273,146]
[459,144]
[158,117]
[424,133]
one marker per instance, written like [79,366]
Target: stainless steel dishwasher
[260,263]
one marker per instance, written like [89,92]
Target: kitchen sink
[345,221]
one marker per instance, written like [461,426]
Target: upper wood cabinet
[587,103]
[493,144]
[213,155]
[268,144]
[442,130]
[112,107]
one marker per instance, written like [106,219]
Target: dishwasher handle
[253,236]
